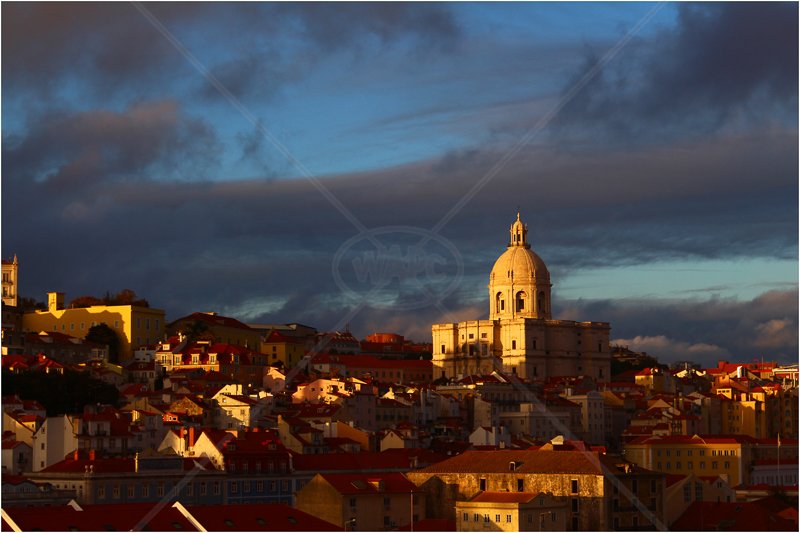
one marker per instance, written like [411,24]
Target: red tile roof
[738,516]
[531,461]
[257,517]
[385,482]
[113,517]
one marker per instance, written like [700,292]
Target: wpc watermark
[398,267]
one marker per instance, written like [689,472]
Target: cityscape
[400,266]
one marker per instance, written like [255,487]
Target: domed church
[520,336]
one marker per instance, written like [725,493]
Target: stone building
[520,337]
[602,494]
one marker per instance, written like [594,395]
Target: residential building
[362,502]
[54,440]
[134,325]
[702,455]
[589,479]
[11,281]
[512,511]
[223,330]
[682,490]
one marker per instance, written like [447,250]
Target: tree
[85,301]
[60,393]
[103,334]
[195,330]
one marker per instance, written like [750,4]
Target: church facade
[520,337]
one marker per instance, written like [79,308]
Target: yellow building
[134,325]
[10,281]
[520,337]
[512,511]
[287,349]
[725,456]
[362,502]
[744,414]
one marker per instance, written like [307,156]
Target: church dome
[519,285]
[520,264]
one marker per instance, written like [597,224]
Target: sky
[359,165]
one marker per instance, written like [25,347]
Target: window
[486,517]
[477,517]
[160,490]
[690,465]
[714,465]
[574,505]
[203,488]
[145,491]
[727,464]
[513,345]
[702,465]
[520,485]
[466,517]
[687,492]
[497,518]
[131,491]
[443,348]
[246,487]
[190,489]
[101,493]
[508,519]
[216,488]
[483,484]
[574,486]
[234,487]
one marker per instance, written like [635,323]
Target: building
[224,330]
[11,281]
[362,502]
[512,511]
[702,455]
[602,493]
[134,325]
[520,337]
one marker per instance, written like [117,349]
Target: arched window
[500,304]
[540,303]
[513,344]
[520,301]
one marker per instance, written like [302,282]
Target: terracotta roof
[735,516]
[261,517]
[528,461]
[215,320]
[109,517]
[376,483]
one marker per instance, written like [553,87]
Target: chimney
[191,437]
[91,455]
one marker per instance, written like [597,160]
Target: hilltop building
[134,325]
[520,337]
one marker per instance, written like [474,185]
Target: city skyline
[658,172]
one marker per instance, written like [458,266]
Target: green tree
[103,334]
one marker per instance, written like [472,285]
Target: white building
[520,336]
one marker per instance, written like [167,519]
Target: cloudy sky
[360,164]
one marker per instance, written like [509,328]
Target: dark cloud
[701,330]
[265,249]
[723,64]
[70,151]
[111,50]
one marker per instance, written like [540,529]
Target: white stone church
[520,336]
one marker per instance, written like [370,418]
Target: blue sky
[666,185]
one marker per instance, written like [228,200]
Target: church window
[502,305]
[540,303]
[520,301]
[443,348]
[471,335]
[514,345]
